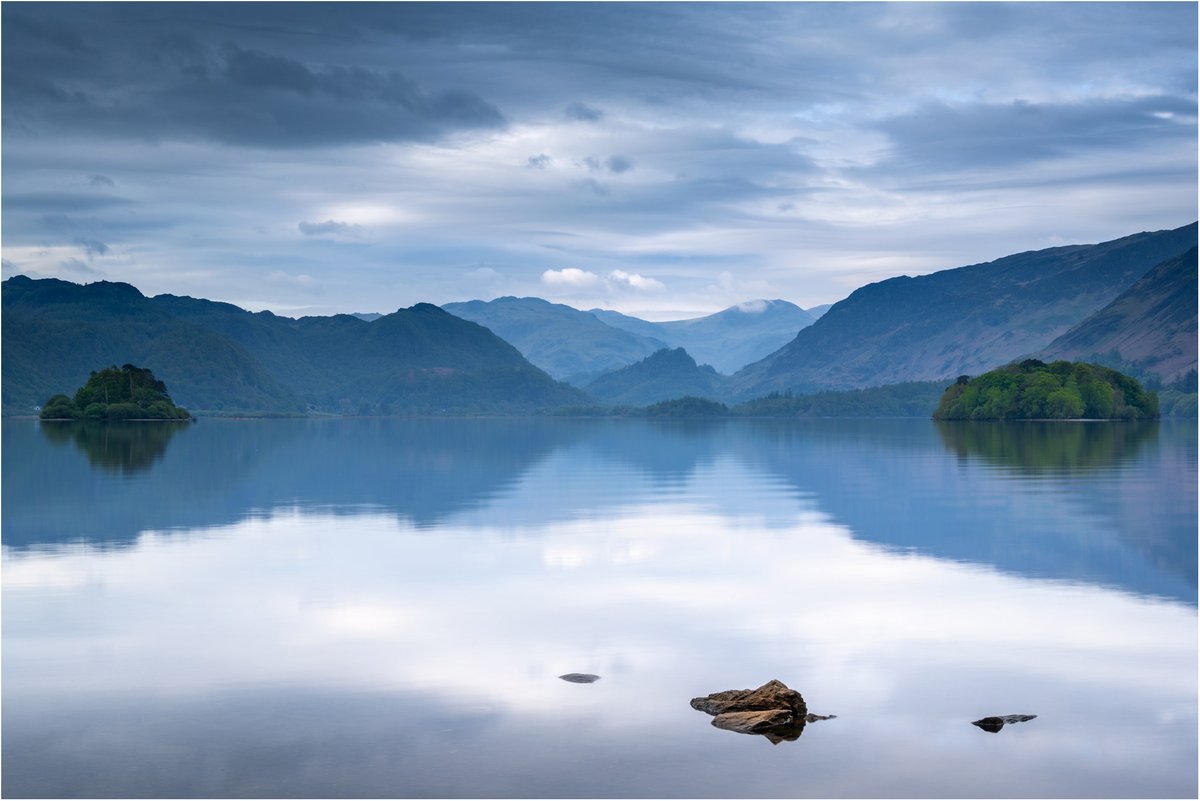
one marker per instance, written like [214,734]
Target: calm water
[381,608]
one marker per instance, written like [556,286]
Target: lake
[382,608]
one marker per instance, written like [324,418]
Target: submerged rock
[996,723]
[772,695]
[580,678]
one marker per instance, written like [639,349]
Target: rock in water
[773,711]
[580,678]
[771,696]
[996,723]
[754,722]
[776,725]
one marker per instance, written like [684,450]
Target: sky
[664,160]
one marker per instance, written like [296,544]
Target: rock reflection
[1037,447]
[995,723]
[117,447]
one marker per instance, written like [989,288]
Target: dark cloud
[582,113]
[92,247]
[978,135]
[618,164]
[174,87]
[262,70]
[59,202]
[45,32]
[178,101]
[613,164]
[330,228]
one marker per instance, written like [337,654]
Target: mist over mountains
[1127,302]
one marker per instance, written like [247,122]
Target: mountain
[567,343]
[664,375]
[817,312]
[729,339]
[1151,326]
[218,357]
[961,321]
[55,333]
[368,317]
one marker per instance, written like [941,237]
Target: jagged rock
[773,695]
[996,723]
[811,718]
[580,678]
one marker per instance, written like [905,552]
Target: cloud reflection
[477,618]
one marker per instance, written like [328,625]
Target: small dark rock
[996,723]
[580,678]
[811,718]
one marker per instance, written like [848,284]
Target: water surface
[382,608]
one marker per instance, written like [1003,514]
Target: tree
[125,393]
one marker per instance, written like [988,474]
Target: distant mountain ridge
[1150,327]
[218,357]
[960,321]
[729,339]
[569,344]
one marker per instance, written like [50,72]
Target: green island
[116,393]
[1034,390]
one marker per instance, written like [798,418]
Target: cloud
[62,201]
[77,267]
[977,135]
[331,228]
[573,278]
[300,279]
[263,70]
[539,162]
[8,268]
[635,282]
[234,94]
[100,180]
[618,164]
[570,277]
[612,164]
[754,306]
[582,113]
[92,247]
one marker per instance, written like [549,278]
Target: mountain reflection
[1112,504]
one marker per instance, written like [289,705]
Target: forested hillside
[961,321]
[219,358]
